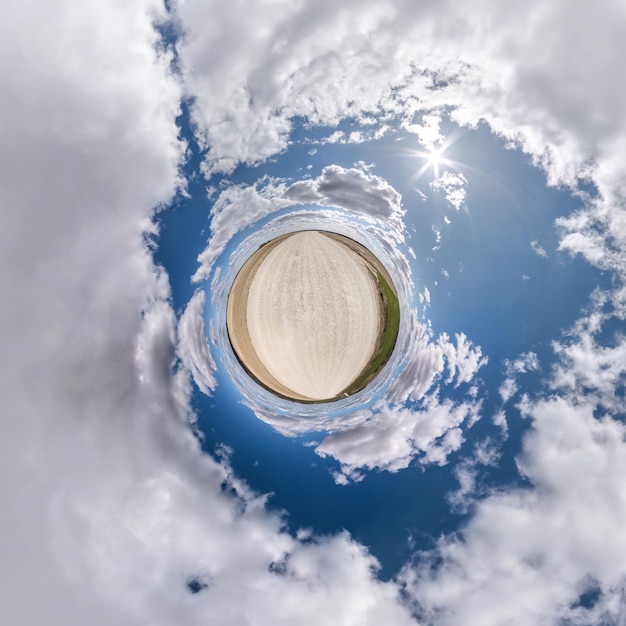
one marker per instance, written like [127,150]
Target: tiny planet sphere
[313,316]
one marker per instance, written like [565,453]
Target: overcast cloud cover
[109,506]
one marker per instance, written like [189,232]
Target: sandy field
[305,315]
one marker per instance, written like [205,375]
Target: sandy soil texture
[305,315]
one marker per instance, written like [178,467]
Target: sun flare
[435,158]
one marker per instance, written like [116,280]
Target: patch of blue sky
[183,226]
[300,482]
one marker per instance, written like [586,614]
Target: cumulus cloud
[463,358]
[236,208]
[90,147]
[369,198]
[111,509]
[468,474]
[528,554]
[390,438]
[353,190]
[588,365]
[411,420]
[427,358]
[363,194]
[329,66]
[428,131]
[193,347]
[430,431]
[424,361]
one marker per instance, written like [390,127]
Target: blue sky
[148,149]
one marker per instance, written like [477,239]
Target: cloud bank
[111,510]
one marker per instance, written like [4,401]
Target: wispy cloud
[527,362]
[538,249]
[452,184]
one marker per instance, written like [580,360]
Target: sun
[435,158]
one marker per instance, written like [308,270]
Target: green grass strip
[388,340]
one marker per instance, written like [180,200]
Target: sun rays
[434,158]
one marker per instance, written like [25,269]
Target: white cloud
[234,209]
[526,362]
[393,436]
[423,363]
[453,186]
[428,431]
[89,147]
[356,136]
[411,421]
[428,132]
[499,419]
[467,473]
[326,66]
[355,191]
[508,389]
[336,137]
[538,249]
[363,194]
[437,232]
[371,199]
[587,365]
[193,347]
[463,359]
[527,554]
[109,507]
